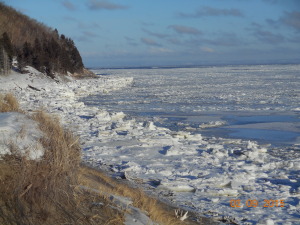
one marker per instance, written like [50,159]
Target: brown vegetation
[8,103]
[46,191]
[156,210]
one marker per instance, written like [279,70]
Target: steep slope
[36,45]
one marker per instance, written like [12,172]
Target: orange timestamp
[267,203]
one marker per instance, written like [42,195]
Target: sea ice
[213,170]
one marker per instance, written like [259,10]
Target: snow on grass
[18,130]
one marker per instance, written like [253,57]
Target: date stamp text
[267,203]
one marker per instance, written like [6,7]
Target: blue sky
[112,33]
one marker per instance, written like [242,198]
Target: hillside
[35,44]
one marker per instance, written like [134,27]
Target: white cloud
[209,11]
[149,41]
[155,34]
[269,37]
[103,4]
[185,30]
[69,5]
[292,19]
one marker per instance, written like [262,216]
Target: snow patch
[21,134]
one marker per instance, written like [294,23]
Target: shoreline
[33,84]
[108,138]
[164,202]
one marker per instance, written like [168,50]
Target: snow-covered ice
[201,173]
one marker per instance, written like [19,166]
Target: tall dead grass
[156,210]
[8,103]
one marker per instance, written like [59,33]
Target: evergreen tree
[6,43]
[37,55]
[77,60]
[5,64]
[6,54]
[56,34]
[20,59]
[64,61]
[62,37]
[27,53]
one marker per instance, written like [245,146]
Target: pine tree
[27,53]
[6,62]
[20,59]
[56,34]
[6,43]
[64,61]
[6,54]
[37,54]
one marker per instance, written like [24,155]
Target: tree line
[50,55]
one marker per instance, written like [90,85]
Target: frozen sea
[260,103]
[207,136]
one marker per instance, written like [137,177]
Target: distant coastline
[190,66]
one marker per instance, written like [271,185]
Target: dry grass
[46,191]
[8,103]
[156,210]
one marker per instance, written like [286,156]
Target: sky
[127,33]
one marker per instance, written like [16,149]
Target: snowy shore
[201,174]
